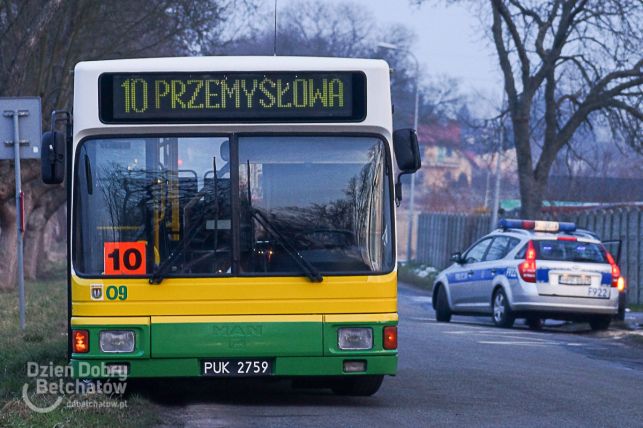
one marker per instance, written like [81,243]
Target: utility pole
[391,46]
[412,199]
[487,186]
[496,194]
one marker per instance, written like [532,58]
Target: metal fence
[440,234]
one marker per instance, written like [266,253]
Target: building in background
[447,164]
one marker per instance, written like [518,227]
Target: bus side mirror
[52,157]
[407,155]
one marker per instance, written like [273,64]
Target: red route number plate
[124,258]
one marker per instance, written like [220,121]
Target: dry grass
[45,341]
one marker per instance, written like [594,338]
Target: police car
[534,270]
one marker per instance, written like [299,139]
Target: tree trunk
[532,193]
[42,202]
[53,248]
[33,242]
[8,260]
[532,187]
[49,201]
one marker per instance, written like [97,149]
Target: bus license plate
[599,292]
[225,367]
[575,279]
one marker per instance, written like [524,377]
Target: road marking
[535,339]
[523,343]
[518,334]
[422,299]
[418,319]
[530,343]
[500,334]
[520,337]
[513,338]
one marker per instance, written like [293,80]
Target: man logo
[96,291]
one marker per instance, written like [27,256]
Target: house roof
[440,134]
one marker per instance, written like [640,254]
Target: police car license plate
[599,292]
[226,367]
[567,279]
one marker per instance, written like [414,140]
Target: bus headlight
[355,338]
[117,341]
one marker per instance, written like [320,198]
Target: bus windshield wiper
[162,269]
[159,272]
[311,271]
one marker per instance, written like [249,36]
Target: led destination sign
[247,97]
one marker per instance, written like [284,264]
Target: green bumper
[296,348]
[283,366]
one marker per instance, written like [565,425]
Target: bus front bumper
[192,367]
[292,345]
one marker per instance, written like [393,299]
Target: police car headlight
[355,338]
[117,341]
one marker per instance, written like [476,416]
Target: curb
[633,321]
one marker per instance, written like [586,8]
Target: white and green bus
[233,216]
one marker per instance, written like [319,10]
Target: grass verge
[636,308]
[417,274]
[44,341]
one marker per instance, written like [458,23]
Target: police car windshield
[570,251]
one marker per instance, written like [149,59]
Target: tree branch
[503,57]
[502,10]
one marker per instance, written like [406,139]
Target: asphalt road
[465,373]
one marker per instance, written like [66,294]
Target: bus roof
[234,63]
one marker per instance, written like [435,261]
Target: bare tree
[345,29]
[583,57]
[586,57]
[314,28]
[42,40]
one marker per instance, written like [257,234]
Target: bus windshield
[187,205]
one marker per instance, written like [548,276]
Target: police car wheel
[502,315]
[600,322]
[534,323]
[442,311]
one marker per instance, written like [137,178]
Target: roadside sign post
[29,110]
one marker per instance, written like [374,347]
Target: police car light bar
[536,225]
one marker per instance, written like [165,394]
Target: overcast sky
[449,41]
